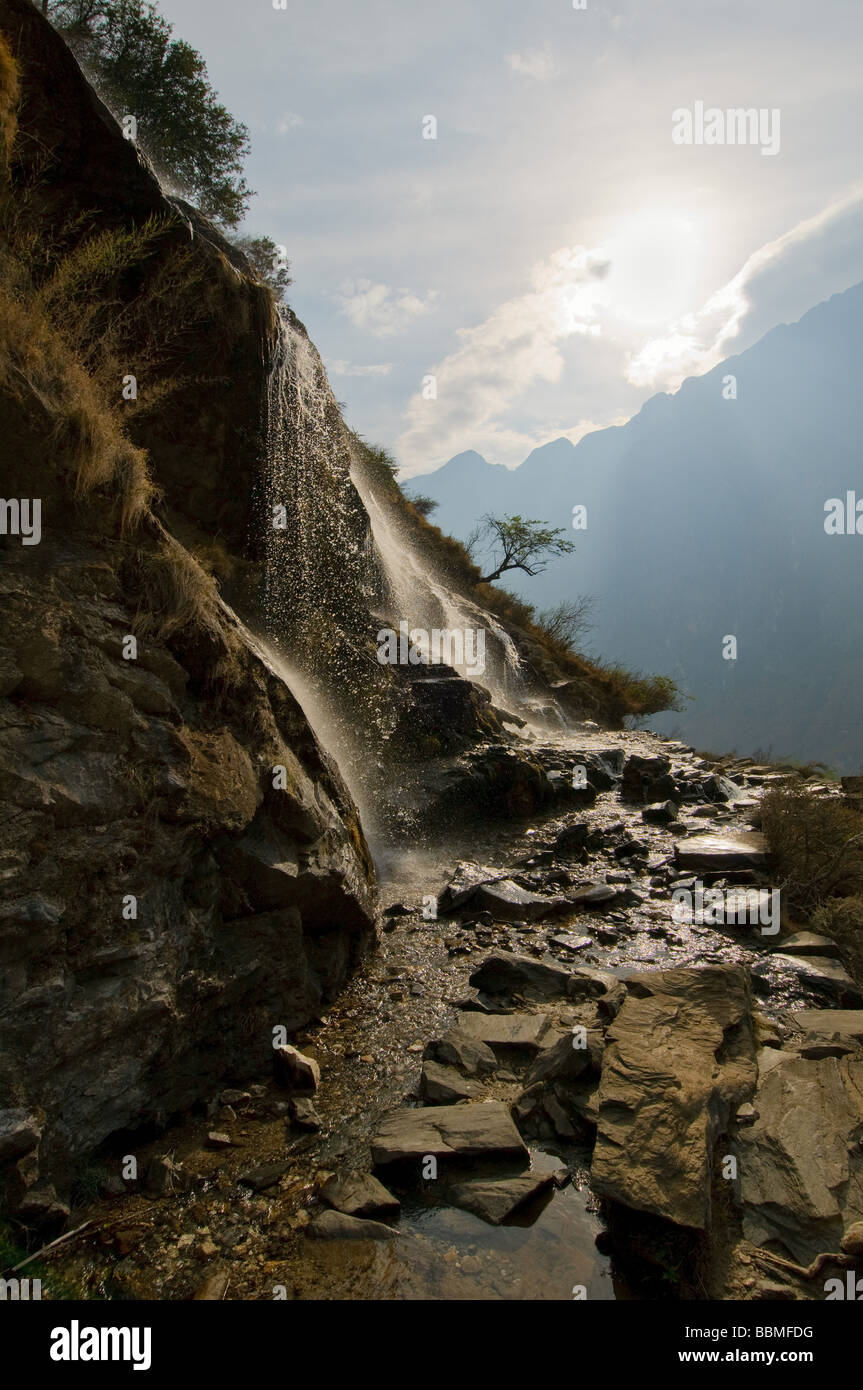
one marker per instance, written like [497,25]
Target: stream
[246,1244]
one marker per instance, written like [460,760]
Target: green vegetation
[194,142]
[265,258]
[424,505]
[517,544]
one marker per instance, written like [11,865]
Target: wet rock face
[801,1162]
[183,869]
[165,905]
[679,1060]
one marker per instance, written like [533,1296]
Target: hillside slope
[706,519]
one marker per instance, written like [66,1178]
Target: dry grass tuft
[816,841]
[10,93]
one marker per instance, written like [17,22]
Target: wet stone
[335,1225]
[716,852]
[360,1195]
[458,1132]
[498,1201]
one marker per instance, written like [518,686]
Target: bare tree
[570,621]
[516,544]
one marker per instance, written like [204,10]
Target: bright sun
[657,258]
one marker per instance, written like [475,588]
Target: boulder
[304,1116]
[264,1175]
[20,1131]
[507,902]
[720,789]
[572,840]
[464,882]
[360,1195]
[831,1023]
[563,1061]
[808,943]
[296,1071]
[801,1164]
[647,779]
[595,896]
[818,974]
[512,974]
[679,1060]
[567,941]
[660,813]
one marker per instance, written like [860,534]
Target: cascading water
[424,602]
[340,564]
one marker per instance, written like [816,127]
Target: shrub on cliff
[816,842]
[194,142]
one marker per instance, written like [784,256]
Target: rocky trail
[554,1088]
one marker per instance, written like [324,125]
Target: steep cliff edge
[183,868]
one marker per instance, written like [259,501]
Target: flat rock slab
[595,895]
[569,942]
[830,1023]
[510,903]
[442,1085]
[524,1032]
[459,1132]
[808,943]
[818,973]
[512,974]
[498,1201]
[359,1195]
[715,852]
[664,1095]
[801,1165]
[335,1225]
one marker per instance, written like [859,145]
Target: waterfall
[340,564]
[418,597]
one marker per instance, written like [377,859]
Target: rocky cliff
[183,868]
[197,557]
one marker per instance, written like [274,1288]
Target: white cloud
[342,368]
[539,64]
[500,359]
[288,122]
[381,310]
[697,342]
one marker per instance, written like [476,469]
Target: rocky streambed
[545,1082]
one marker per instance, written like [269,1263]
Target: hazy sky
[553,258]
